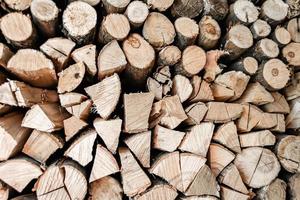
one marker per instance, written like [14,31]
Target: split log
[170,55]
[104,164]
[260,29]
[112,6]
[72,126]
[105,102]
[227,194]
[292,120]
[201,90]
[186,8]
[251,163]
[113,27]
[45,16]
[41,145]
[79,22]
[286,150]
[195,113]
[274,11]
[18,30]
[250,117]
[279,105]
[293,90]
[265,49]
[258,138]
[220,112]
[137,12]
[211,66]
[81,110]
[289,53]
[140,56]
[293,29]
[106,187]
[247,65]
[87,55]
[182,87]
[19,172]
[155,87]
[134,179]
[12,135]
[266,121]
[5,55]
[221,92]
[281,36]
[109,131]
[158,192]
[293,186]
[15,5]
[218,9]
[33,67]
[158,30]
[140,145]
[71,99]
[276,190]
[58,50]
[186,31]
[242,12]
[209,32]
[280,126]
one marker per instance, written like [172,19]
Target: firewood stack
[150,100]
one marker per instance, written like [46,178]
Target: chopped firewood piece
[169,55]
[257,138]
[220,112]
[41,145]
[45,117]
[186,31]
[293,185]
[158,192]
[155,87]
[106,188]
[111,59]
[228,194]
[260,29]
[212,68]
[275,190]
[105,95]
[87,55]
[293,29]
[81,149]
[195,113]
[221,92]
[25,197]
[4,191]
[5,55]
[231,177]
[134,179]
[218,9]
[265,49]
[104,164]
[227,136]
[182,87]
[293,91]
[197,139]
[280,126]
[58,50]
[266,121]
[279,105]
[12,135]
[137,12]
[281,36]
[290,53]
[72,126]
[287,153]
[109,131]
[219,157]
[250,117]
[81,110]
[201,91]
[140,145]
[256,94]
[15,5]
[273,11]
[112,6]
[166,139]
[247,65]
[187,8]
[70,78]
[19,172]
[167,166]
[258,166]
[209,32]
[71,99]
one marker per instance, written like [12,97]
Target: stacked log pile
[150,100]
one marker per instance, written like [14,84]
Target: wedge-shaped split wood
[81,149]
[81,110]
[266,121]
[105,95]
[195,113]
[293,90]
[257,138]
[275,190]
[250,117]
[221,92]
[227,193]
[5,55]
[87,55]
[71,99]
[182,87]
[72,126]
[158,192]
[104,164]
[140,145]
[220,112]
[280,126]
[106,188]
[292,120]
[279,105]
[201,91]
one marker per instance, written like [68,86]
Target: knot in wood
[134,42]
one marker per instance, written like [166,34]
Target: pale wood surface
[257,138]
[186,31]
[294,186]
[195,113]
[209,32]
[227,193]
[5,54]
[220,112]
[112,6]
[72,126]
[182,87]
[106,187]
[160,5]
[158,192]
[87,55]
[137,12]
[169,55]
[279,105]
[260,29]
[275,190]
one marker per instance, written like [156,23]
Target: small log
[218,9]
[137,107]
[18,30]
[104,164]
[274,11]
[293,29]
[72,126]
[294,9]
[71,99]
[247,65]
[288,157]
[79,22]
[81,110]
[134,179]
[158,30]
[166,139]
[209,32]
[15,5]
[201,91]
[251,163]
[280,126]
[186,8]
[289,53]
[276,190]
[220,112]
[227,135]
[198,138]
[195,113]
[221,92]
[109,131]
[33,67]
[192,61]
[19,172]
[81,149]
[170,55]
[45,16]
[137,12]
[211,66]
[158,192]
[260,29]
[87,55]
[257,138]
[250,117]
[231,177]
[237,40]
[58,50]
[41,145]
[45,117]
[13,136]
[293,185]
[91,2]
[140,145]
[280,105]
[186,31]
[5,55]
[182,87]
[167,166]
[227,194]
[106,187]
[105,102]
[113,27]
[4,191]
[218,158]
[242,12]
[292,120]
[140,56]
[281,36]
[265,49]
[112,6]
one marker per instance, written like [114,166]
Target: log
[281,36]
[209,32]
[266,121]
[71,99]
[257,138]
[186,8]
[169,55]
[265,49]
[293,185]
[274,11]
[218,9]
[158,192]
[294,9]
[247,65]
[106,187]
[201,90]
[182,87]
[227,193]
[91,2]
[15,5]
[72,126]
[155,87]
[293,90]
[82,110]
[260,29]
[160,5]
[221,92]
[279,105]
[33,67]
[195,113]
[45,16]
[250,117]
[186,31]
[79,22]
[293,29]
[5,55]
[276,190]
[289,53]
[220,112]
[112,6]
[18,30]
[105,102]
[292,120]
[137,12]
[242,12]
[280,126]
[87,55]
[211,66]
[113,27]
